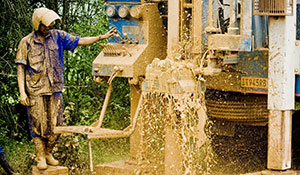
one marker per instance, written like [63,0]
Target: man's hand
[91,40]
[109,33]
[24,99]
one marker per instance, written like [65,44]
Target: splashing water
[176,134]
[181,115]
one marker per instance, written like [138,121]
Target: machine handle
[108,93]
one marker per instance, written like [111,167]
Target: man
[40,67]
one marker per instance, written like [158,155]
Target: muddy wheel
[236,107]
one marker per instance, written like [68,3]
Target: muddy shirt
[44,62]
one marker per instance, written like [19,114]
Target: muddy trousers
[44,114]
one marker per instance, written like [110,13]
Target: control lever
[129,39]
[116,40]
[118,36]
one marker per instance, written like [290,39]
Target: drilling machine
[139,38]
[242,55]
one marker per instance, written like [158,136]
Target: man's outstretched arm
[91,40]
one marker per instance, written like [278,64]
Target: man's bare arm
[21,82]
[91,40]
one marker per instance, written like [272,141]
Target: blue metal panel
[131,26]
[136,33]
[254,63]
[297,89]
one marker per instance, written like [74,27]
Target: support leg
[91,155]
[279,140]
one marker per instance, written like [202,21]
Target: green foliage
[15,23]
[69,153]
[20,155]
[84,105]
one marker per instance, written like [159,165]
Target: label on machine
[254,82]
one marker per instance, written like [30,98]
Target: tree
[15,23]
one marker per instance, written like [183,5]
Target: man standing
[40,67]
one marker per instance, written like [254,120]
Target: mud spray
[176,134]
[172,105]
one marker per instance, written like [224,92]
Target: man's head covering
[44,16]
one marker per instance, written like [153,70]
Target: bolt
[296,43]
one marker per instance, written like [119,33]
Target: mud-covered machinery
[229,47]
[140,38]
[236,68]
[193,61]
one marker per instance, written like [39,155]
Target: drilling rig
[193,62]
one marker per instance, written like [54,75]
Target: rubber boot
[49,147]
[5,165]
[40,154]
[50,160]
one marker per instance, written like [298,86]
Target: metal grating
[273,7]
[114,50]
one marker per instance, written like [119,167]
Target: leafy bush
[69,153]
[15,23]
[20,155]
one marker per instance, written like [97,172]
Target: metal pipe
[242,20]
[173,24]
[107,97]
[246,18]
[210,27]
[231,18]
[233,29]
[136,113]
[197,28]
[210,14]
[90,155]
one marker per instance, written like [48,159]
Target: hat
[45,16]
